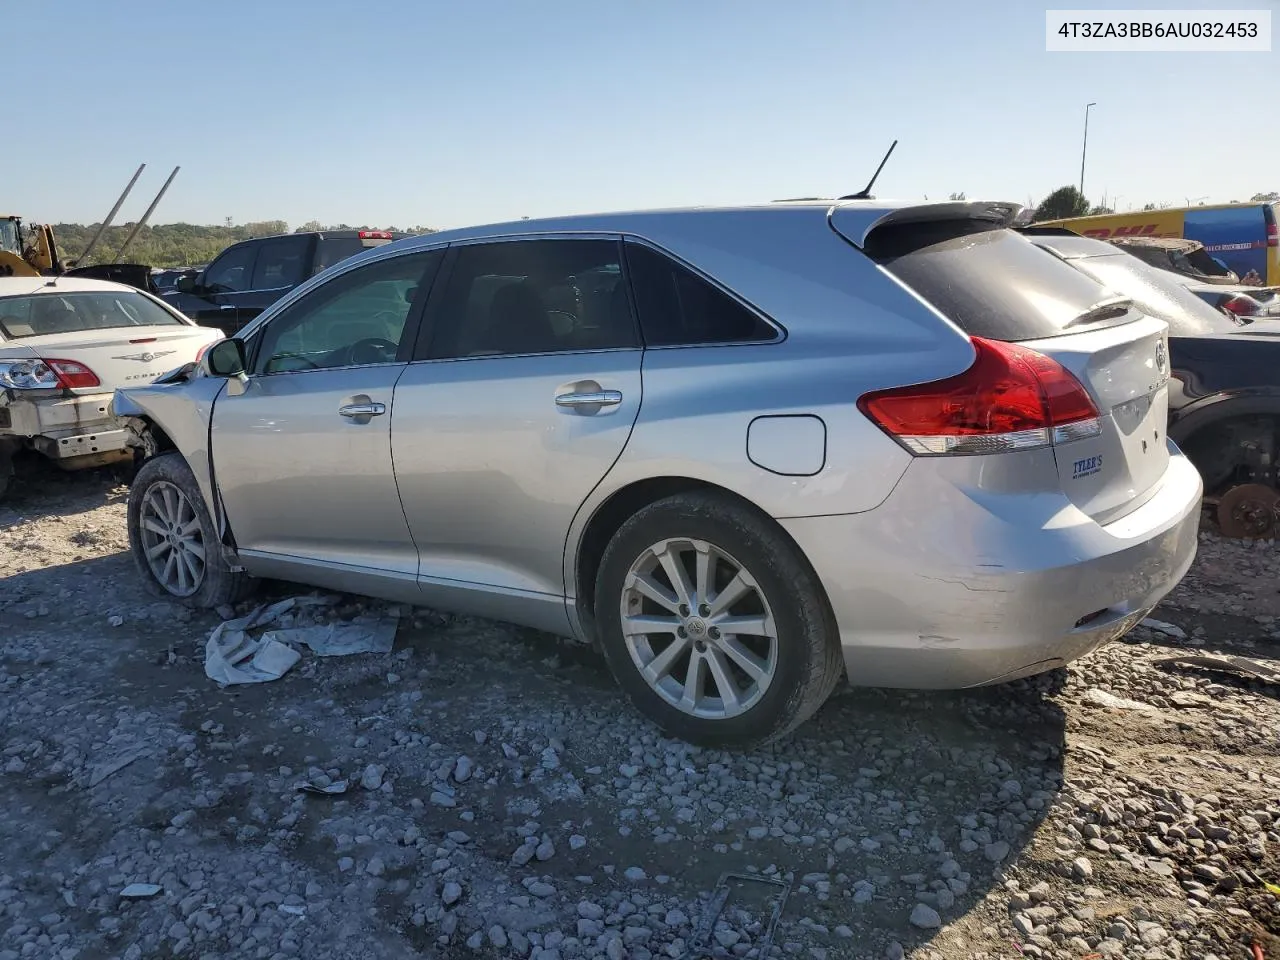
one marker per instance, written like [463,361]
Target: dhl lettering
[1146,230]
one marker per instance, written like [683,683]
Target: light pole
[1084,146]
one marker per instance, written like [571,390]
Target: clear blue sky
[448,113]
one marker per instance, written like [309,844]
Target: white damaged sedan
[66,344]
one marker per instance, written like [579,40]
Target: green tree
[1063,202]
[1265,197]
[957,196]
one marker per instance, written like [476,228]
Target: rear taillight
[1011,398]
[1273,235]
[204,348]
[1240,305]
[72,374]
[375,235]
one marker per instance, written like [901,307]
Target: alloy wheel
[172,540]
[699,628]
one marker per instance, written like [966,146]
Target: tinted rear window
[1155,292]
[990,283]
[333,250]
[679,308]
[48,313]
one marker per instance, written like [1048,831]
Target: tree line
[181,244]
[1070,202]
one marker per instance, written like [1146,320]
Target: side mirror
[226,359]
[186,284]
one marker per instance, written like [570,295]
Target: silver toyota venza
[743,450]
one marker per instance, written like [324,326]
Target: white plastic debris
[1101,698]
[140,891]
[241,659]
[233,656]
[101,771]
[343,639]
[1168,629]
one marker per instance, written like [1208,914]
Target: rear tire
[739,571]
[173,540]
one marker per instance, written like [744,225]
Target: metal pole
[1084,147]
[146,216]
[110,216]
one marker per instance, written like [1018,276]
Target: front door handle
[372,409]
[593,398]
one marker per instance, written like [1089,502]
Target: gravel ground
[504,802]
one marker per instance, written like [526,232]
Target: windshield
[47,313]
[1156,294]
[9,236]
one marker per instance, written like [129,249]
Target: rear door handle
[373,409]
[594,398]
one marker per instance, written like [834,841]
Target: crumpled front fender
[182,411]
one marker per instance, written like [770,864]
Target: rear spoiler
[856,222]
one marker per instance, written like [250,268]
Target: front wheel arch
[222,583]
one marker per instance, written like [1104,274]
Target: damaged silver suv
[745,451]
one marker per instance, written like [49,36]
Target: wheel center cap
[696,626]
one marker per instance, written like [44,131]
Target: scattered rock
[925,917]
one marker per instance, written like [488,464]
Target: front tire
[174,543]
[713,623]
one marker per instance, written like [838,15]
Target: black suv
[247,277]
[1224,387]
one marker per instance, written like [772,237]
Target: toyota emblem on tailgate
[1161,362]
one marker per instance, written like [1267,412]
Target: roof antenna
[865,192]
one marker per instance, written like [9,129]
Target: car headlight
[28,375]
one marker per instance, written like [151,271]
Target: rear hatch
[994,284]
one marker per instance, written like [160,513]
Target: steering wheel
[372,350]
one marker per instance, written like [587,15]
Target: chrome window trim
[546,353]
[345,366]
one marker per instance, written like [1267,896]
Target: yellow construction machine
[29,251]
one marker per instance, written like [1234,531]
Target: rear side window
[280,263]
[331,250]
[533,296]
[990,283]
[679,308]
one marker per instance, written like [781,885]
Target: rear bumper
[64,427]
[936,588]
